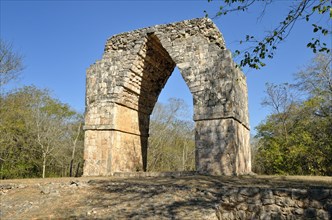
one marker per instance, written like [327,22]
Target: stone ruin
[123,87]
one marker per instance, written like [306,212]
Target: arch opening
[171,145]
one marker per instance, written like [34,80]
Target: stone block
[113,151]
[310,213]
[268,201]
[285,202]
[319,194]
[299,193]
[321,214]
[299,211]
[222,147]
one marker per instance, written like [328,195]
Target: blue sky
[60,39]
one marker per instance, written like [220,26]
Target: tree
[316,82]
[48,124]
[10,63]
[17,156]
[37,134]
[297,137]
[260,49]
[281,100]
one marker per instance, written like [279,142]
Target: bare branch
[11,63]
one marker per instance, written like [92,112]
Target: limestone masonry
[123,87]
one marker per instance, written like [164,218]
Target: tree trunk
[71,168]
[183,159]
[44,165]
[77,169]
[74,149]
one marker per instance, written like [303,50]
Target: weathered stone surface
[221,147]
[123,87]
[281,204]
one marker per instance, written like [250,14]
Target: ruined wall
[278,203]
[123,87]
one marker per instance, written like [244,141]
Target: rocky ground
[130,196]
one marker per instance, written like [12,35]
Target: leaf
[307,17]
[206,14]
[325,32]
[262,64]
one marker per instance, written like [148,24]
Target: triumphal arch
[123,87]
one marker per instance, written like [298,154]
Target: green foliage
[36,130]
[297,139]
[15,139]
[265,47]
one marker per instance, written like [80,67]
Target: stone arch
[123,87]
